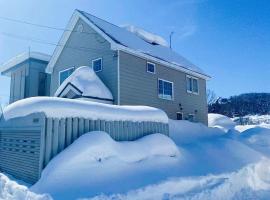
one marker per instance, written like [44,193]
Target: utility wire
[42,26]
[85,49]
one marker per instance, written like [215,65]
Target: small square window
[97,65]
[179,116]
[151,68]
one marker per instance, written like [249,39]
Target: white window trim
[181,114]
[172,90]
[63,71]
[192,77]
[151,64]
[101,64]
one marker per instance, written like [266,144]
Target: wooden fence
[27,144]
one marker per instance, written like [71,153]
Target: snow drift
[220,121]
[95,163]
[250,182]
[85,79]
[60,107]
[10,190]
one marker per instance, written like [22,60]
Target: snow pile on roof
[132,41]
[85,79]
[10,190]
[147,36]
[21,58]
[60,107]
[220,121]
[98,160]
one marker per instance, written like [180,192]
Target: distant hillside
[241,105]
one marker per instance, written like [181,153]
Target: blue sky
[230,40]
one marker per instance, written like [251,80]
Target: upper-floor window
[97,64]
[192,85]
[151,67]
[63,75]
[165,89]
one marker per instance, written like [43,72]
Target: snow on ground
[198,162]
[85,79]
[220,121]
[60,107]
[96,164]
[10,190]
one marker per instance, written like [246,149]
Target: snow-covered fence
[30,139]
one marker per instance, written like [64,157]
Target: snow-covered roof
[132,41]
[62,108]
[5,67]
[129,39]
[87,82]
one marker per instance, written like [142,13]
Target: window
[97,65]
[151,67]
[63,75]
[165,89]
[179,116]
[192,85]
[191,117]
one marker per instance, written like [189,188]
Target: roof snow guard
[128,41]
[6,67]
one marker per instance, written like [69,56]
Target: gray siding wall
[25,80]
[80,50]
[138,87]
[17,85]
[36,67]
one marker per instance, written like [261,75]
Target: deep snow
[86,80]
[197,163]
[60,107]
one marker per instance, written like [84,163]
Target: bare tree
[211,97]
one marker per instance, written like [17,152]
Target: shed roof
[6,67]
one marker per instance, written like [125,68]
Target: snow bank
[10,190]
[148,37]
[258,138]
[251,182]
[220,121]
[187,132]
[95,163]
[86,80]
[60,107]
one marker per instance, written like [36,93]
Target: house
[137,67]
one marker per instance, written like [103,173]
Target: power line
[49,43]
[43,26]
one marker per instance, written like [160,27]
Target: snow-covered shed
[36,129]
[84,84]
